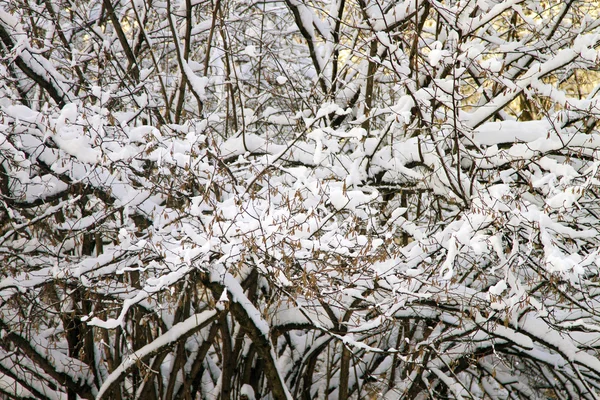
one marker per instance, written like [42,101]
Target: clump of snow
[247,392]
[251,51]
[436,54]
[498,288]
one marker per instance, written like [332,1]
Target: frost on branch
[299,200]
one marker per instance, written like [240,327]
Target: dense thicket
[299,199]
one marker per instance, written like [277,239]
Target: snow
[174,334]
[73,142]
[251,51]
[565,345]
[22,113]
[454,386]
[34,61]
[10,385]
[237,295]
[301,315]
[46,214]
[447,270]
[535,72]
[350,199]
[498,288]
[436,54]
[139,133]
[198,83]
[493,133]
[247,391]
[315,222]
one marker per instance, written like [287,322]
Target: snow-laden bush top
[353,199]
